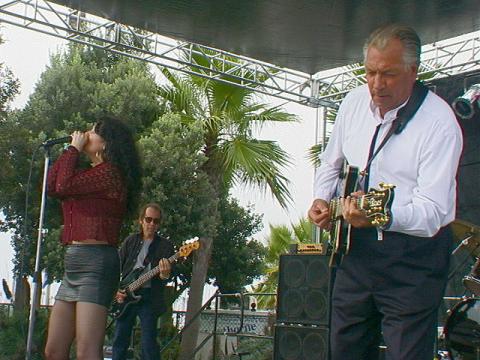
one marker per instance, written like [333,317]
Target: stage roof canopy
[304,35]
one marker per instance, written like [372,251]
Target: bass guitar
[375,204]
[137,278]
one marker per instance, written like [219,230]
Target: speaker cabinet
[296,342]
[303,290]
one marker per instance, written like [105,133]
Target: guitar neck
[336,208]
[142,279]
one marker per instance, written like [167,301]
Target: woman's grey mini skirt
[92,274]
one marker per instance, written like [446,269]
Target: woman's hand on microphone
[79,139]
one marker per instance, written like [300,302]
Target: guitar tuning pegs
[386,186]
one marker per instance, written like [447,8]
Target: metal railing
[215,333]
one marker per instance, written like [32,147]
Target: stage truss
[48,18]
[442,59]
[325,89]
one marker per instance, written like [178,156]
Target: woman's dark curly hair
[121,151]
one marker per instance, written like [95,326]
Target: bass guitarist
[392,280]
[145,250]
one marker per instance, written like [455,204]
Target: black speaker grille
[315,345]
[303,290]
[293,342]
[290,345]
[294,273]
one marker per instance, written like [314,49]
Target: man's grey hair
[409,38]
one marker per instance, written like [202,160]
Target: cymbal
[469,234]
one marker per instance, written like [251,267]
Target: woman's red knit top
[93,200]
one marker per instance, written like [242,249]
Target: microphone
[61,140]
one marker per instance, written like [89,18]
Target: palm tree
[279,241]
[229,115]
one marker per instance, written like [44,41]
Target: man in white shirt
[393,279]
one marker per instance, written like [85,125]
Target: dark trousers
[148,327]
[392,288]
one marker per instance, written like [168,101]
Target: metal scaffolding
[442,59]
[327,88]
[52,19]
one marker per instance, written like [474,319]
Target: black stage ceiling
[304,35]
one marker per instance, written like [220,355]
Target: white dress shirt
[421,161]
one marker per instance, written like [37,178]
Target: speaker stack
[303,303]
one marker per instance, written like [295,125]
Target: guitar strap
[404,115]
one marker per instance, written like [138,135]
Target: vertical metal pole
[315,230]
[214,347]
[324,143]
[31,324]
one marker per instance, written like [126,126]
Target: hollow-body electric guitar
[138,277]
[375,204]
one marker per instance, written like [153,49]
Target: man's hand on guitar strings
[319,214]
[351,213]
[120,296]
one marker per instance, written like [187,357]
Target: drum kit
[459,338]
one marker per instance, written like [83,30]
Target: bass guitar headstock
[189,246]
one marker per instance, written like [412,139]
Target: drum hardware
[454,298]
[461,333]
[470,241]
[462,330]
[472,281]
[442,355]
[469,235]
[465,242]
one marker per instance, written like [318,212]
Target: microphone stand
[36,274]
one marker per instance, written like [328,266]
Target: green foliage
[254,349]
[229,115]
[9,87]
[83,83]
[172,156]
[14,329]
[279,241]
[191,159]
[165,335]
[237,258]
[77,86]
